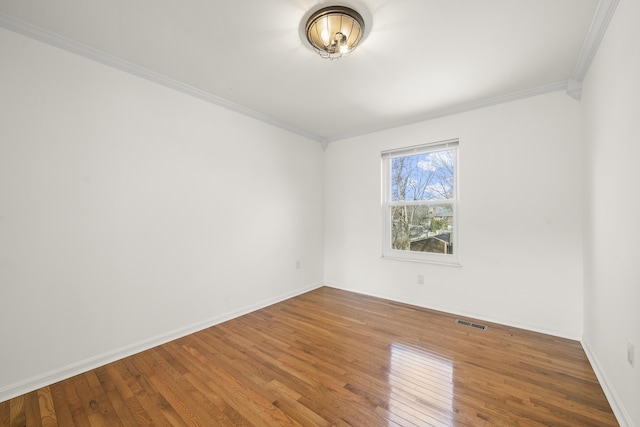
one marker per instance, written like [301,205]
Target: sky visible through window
[425,176]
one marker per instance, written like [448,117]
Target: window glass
[420,203]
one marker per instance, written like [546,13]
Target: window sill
[430,260]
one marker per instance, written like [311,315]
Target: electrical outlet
[297,265]
[631,354]
[420,279]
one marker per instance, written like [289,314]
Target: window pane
[426,176]
[422,228]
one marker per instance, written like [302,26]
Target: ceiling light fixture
[334,31]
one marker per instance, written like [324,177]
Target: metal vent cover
[471,324]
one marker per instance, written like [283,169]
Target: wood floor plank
[47,414]
[215,405]
[124,403]
[17,417]
[73,399]
[191,383]
[32,410]
[5,413]
[333,358]
[152,403]
[60,404]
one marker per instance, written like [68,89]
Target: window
[420,203]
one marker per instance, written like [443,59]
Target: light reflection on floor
[421,385]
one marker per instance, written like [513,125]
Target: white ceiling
[421,59]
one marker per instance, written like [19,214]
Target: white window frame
[387,251]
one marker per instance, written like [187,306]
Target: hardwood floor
[331,357]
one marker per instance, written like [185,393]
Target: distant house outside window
[420,203]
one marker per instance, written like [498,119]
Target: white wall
[611,129]
[131,213]
[520,217]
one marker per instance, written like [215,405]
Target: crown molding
[601,18]
[514,96]
[56,40]
[574,89]
[599,23]
[573,85]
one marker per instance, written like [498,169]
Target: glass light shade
[335,31]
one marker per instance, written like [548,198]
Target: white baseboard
[623,417]
[48,378]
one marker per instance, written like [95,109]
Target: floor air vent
[471,324]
